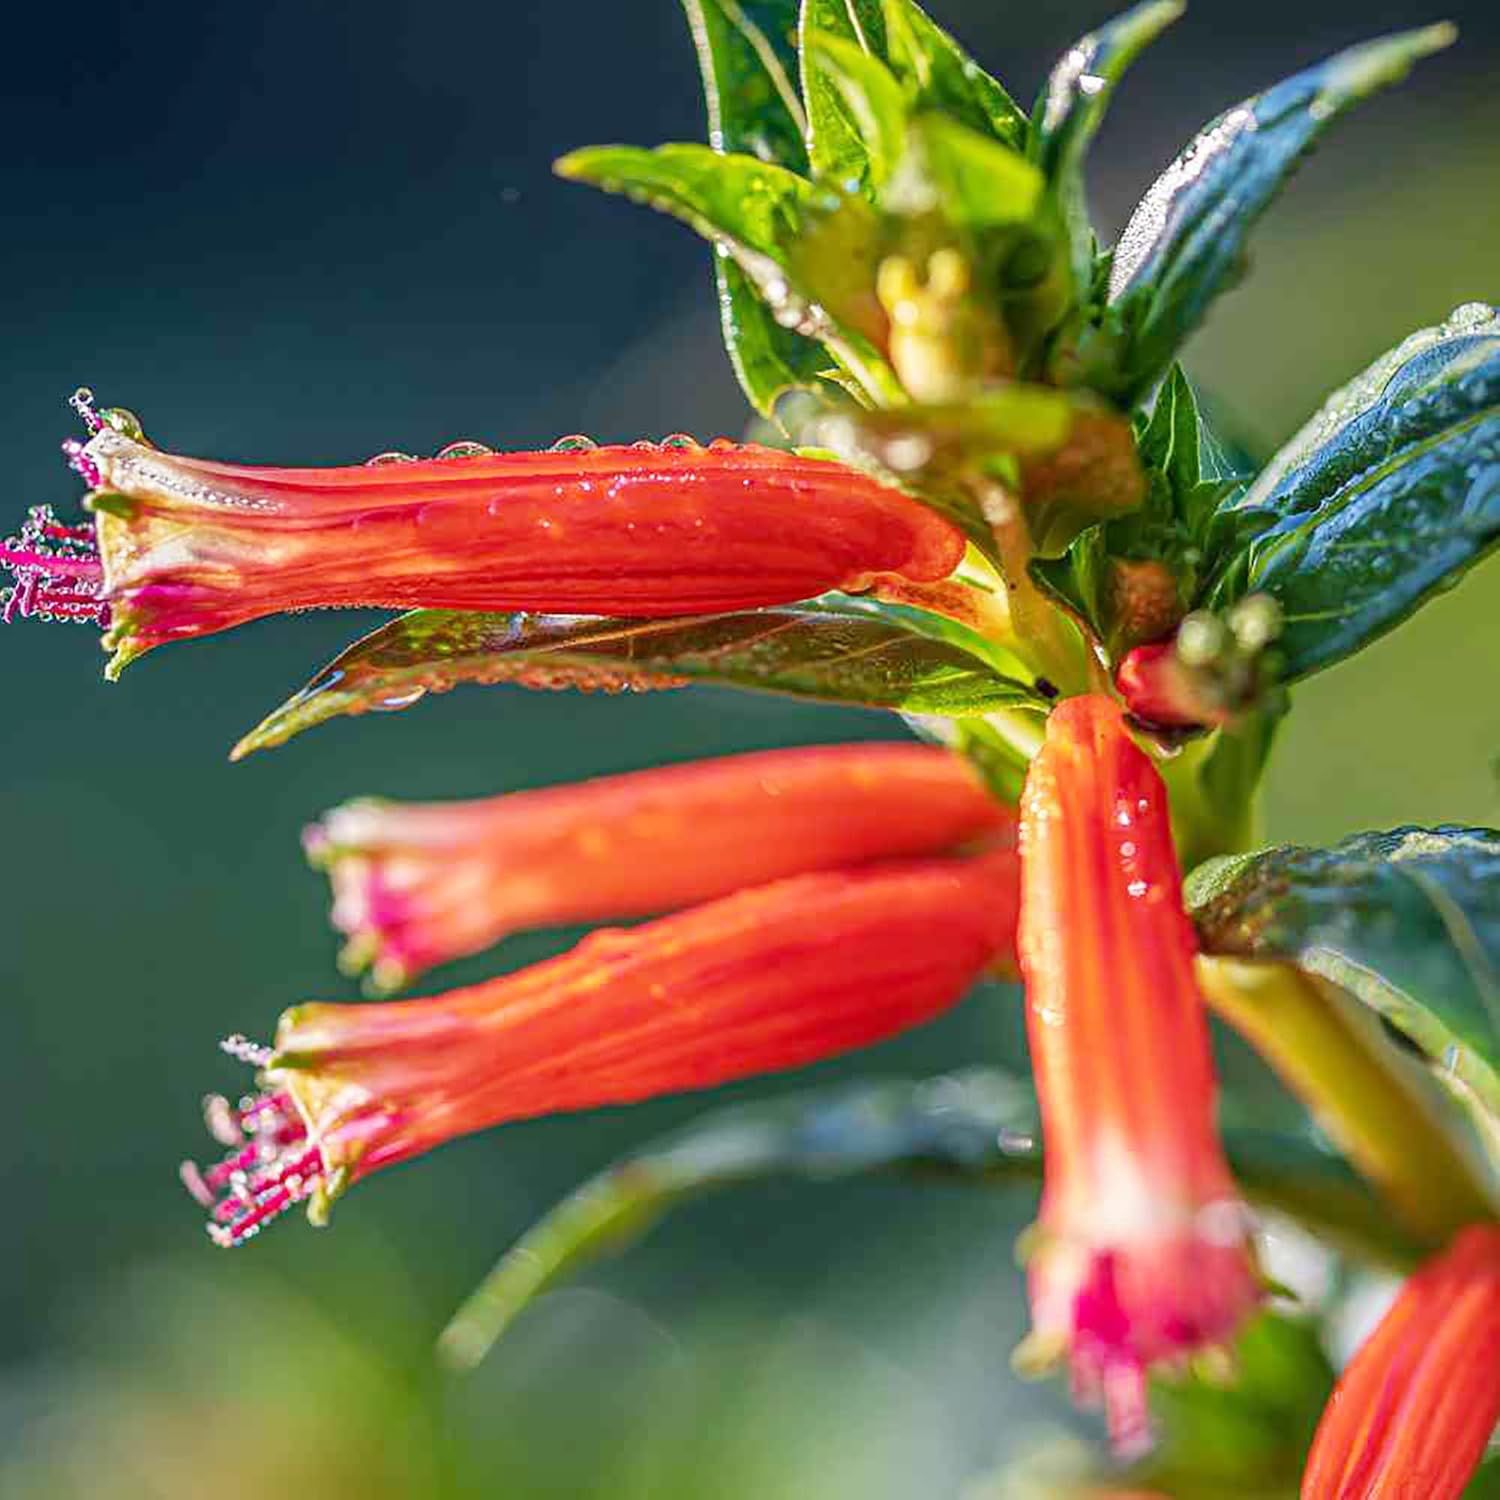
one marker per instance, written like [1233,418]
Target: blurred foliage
[313,237]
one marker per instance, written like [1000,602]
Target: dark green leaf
[838,649]
[1385,498]
[1184,245]
[748,60]
[965,1122]
[975,1125]
[1408,922]
[941,76]
[874,105]
[835,146]
[1077,95]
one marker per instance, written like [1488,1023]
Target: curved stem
[1368,1098]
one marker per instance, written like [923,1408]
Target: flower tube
[188,547]
[768,979]
[1415,1409]
[1141,1249]
[417,884]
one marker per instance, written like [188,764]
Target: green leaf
[1247,1436]
[748,60]
[1408,922]
[874,104]
[747,57]
[976,1125]
[837,649]
[955,1123]
[1077,94]
[978,184]
[1184,244]
[941,76]
[837,151]
[1385,498]
[1188,477]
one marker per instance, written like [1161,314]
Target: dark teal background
[309,232]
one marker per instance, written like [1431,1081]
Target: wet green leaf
[837,649]
[1408,922]
[979,1125]
[747,56]
[1184,244]
[838,152]
[939,75]
[748,60]
[1077,94]
[873,102]
[1385,498]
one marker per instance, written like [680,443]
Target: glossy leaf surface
[747,57]
[1385,498]
[838,649]
[1408,922]
[1077,95]
[940,75]
[1184,244]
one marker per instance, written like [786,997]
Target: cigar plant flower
[985,498]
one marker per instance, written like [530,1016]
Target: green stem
[1047,637]
[1366,1097]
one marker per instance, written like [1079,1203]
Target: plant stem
[1369,1099]
[1049,639]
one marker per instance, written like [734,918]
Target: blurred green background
[307,233]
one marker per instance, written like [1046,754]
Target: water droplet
[394,456]
[398,701]
[125,422]
[679,440]
[574,443]
[1090,84]
[1137,888]
[1468,315]
[465,448]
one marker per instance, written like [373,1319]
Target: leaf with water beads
[838,649]
[1386,498]
[978,1126]
[1078,92]
[1184,244]
[1407,922]
[749,67]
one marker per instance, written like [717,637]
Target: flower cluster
[999,512]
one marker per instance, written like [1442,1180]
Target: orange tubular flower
[1414,1411]
[186,547]
[416,884]
[1142,1253]
[769,979]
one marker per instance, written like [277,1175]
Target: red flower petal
[416,884]
[638,531]
[1413,1413]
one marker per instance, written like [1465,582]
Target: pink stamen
[81,464]
[57,572]
[269,1168]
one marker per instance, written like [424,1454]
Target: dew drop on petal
[396,701]
[575,442]
[465,448]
